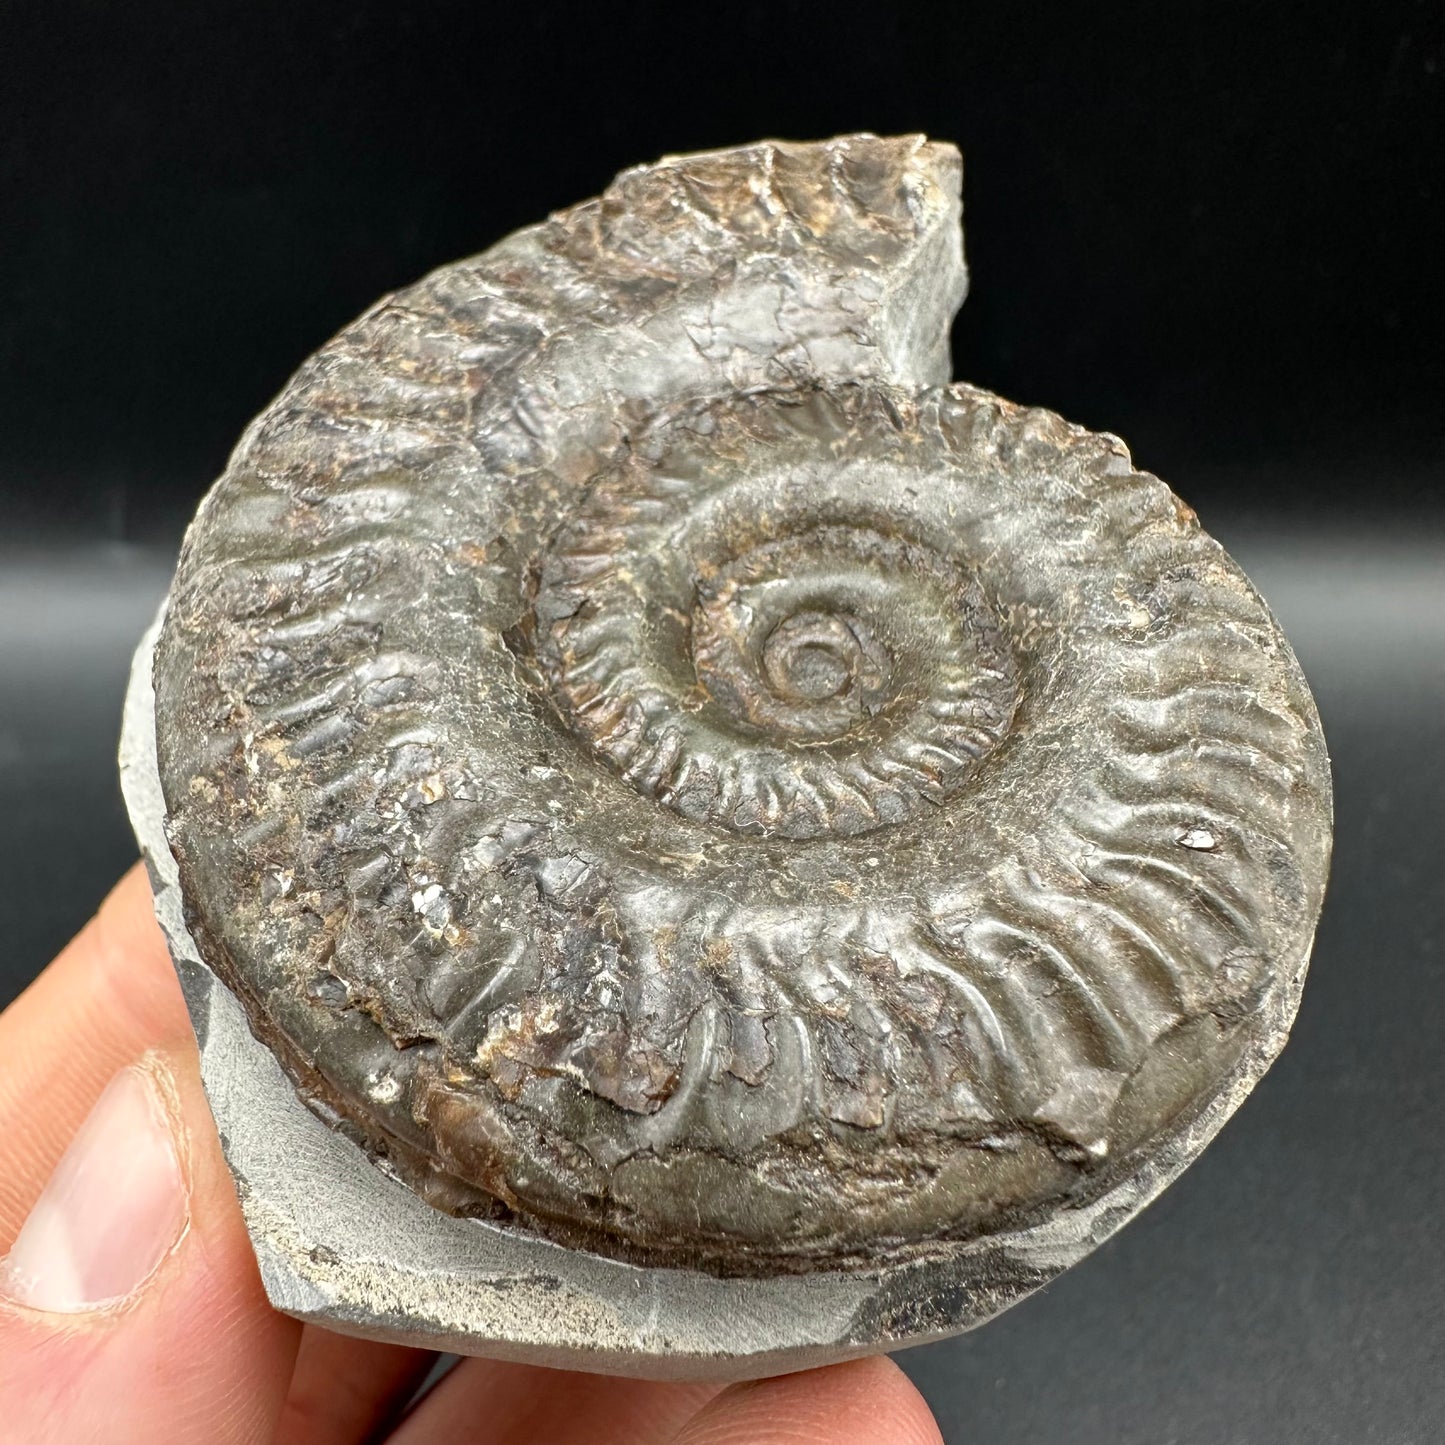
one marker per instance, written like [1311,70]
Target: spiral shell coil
[666,771]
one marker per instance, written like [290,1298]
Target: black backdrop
[1217,230]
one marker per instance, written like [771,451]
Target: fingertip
[142,1315]
[863,1402]
[110,996]
[128,908]
[114,1207]
[139,1315]
[112,983]
[127,944]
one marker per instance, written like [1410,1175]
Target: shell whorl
[757,660]
[663,769]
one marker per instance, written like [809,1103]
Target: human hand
[130,1304]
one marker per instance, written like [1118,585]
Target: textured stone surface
[668,775]
[340,1244]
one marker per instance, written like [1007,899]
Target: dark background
[1218,230]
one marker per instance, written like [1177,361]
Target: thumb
[130,1306]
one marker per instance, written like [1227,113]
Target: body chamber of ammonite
[738,851]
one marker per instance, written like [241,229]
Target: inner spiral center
[813,656]
[750,664]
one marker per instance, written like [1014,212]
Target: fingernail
[114,1208]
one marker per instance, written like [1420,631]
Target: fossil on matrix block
[736,850]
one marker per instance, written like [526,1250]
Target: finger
[130,1305]
[110,995]
[865,1402]
[485,1402]
[347,1391]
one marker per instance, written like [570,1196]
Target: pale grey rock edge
[343,1246]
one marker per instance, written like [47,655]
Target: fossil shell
[666,771]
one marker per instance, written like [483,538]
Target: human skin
[130,1304]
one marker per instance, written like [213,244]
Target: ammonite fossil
[669,775]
